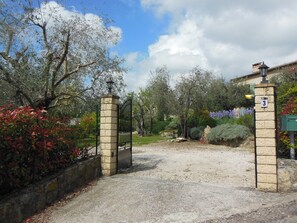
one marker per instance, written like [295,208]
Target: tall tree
[224,95]
[160,92]
[49,55]
[190,93]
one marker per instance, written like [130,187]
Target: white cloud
[57,17]
[225,36]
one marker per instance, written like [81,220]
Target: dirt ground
[195,162]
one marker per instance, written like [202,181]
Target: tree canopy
[194,94]
[50,55]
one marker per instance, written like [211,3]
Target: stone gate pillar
[265,138]
[108,134]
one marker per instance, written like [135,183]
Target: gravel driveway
[180,182]
[194,162]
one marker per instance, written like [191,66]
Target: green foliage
[200,119]
[88,124]
[32,145]
[289,109]
[159,126]
[290,93]
[228,134]
[246,120]
[225,120]
[159,92]
[203,119]
[196,133]
[173,124]
[224,95]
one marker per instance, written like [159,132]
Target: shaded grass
[136,139]
[139,141]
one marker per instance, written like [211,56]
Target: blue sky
[140,27]
[225,37]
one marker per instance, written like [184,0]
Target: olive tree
[50,55]
[190,92]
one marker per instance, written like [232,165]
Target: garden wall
[22,204]
[287,175]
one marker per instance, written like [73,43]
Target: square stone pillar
[265,138]
[109,134]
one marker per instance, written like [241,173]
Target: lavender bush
[235,113]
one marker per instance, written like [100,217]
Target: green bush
[173,124]
[88,124]
[206,121]
[246,120]
[228,134]
[201,118]
[159,126]
[196,133]
[225,120]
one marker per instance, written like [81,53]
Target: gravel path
[194,162]
[178,182]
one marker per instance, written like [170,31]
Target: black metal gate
[124,153]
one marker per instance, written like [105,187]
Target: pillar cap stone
[264,85]
[110,96]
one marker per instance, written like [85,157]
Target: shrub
[228,134]
[201,118]
[240,116]
[88,124]
[32,146]
[159,126]
[246,120]
[284,139]
[196,133]
[173,124]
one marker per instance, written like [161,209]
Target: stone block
[266,169]
[109,172]
[40,201]
[270,99]
[265,116]
[265,124]
[270,160]
[109,120]
[51,185]
[264,90]
[267,178]
[111,132]
[106,107]
[110,99]
[109,166]
[108,152]
[263,142]
[28,206]
[108,133]
[265,133]
[108,113]
[51,196]
[108,126]
[266,151]
[270,108]
[108,159]
[267,187]
[108,139]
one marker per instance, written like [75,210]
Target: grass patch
[139,141]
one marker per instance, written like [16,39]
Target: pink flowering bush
[32,145]
[290,108]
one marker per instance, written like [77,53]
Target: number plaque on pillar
[264,102]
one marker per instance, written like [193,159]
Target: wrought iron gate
[124,153]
